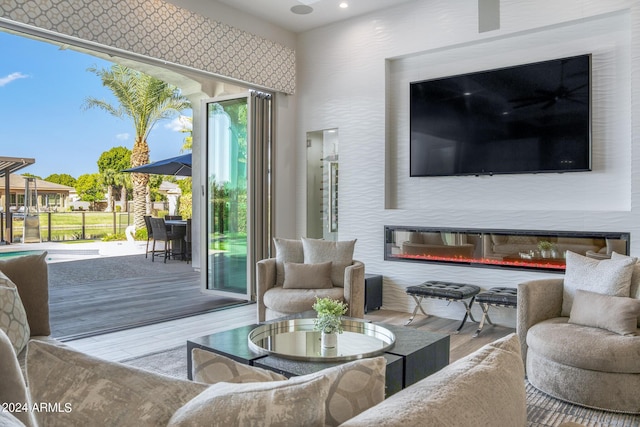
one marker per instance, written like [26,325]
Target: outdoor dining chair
[162,234]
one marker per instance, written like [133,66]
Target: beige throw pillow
[13,317]
[457,395]
[354,386]
[212,368]
[287,250]
[608,277]
[634,290]
[95,392]
[339,253]
[307,276]
[30,274]
[12,385]
[294,402]
[615,314]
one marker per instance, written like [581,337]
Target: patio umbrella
[179,166]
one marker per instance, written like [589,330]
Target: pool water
[13,254]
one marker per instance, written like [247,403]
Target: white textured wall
[354,76]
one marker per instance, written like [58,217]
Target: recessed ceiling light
[301,9]
[344,5]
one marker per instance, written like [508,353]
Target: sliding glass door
[234,193]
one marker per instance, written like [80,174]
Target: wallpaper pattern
[163,31]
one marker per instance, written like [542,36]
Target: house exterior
[51,196]
[353,76]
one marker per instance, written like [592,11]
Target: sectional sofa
[69,388]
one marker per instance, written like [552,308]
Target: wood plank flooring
[82,303]
[140,341]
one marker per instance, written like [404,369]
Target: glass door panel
[227,214]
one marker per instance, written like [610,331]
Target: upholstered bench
[443,290]
[497,297]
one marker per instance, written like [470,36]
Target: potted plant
[329,319]
[545,248]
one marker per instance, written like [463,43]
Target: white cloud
[122,136]
[11,77]
[179,123]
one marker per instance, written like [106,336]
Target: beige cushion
[339,253]
[287,250]
[31,276]
[101,393]
[13,317]
[12,385]
[212,368]
[298,300]
[8,420]
[307,276]
[584,347]
[485,388]
[615,314]
[607,276]
[354,386]
[634,290]
[295,402]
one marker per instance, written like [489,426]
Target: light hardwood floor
[136,342]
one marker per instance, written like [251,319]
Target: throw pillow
[307,276]
[634,290]
[212,368]
[13,317]
[12,386]
[30,274]
[354,386]
[294,402]
[457,394]
[339,253]
[8,420]
[287,250]
[95,392]
[615,314]
[607,276]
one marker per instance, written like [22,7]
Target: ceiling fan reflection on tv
[548,98]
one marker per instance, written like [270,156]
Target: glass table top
[297,339]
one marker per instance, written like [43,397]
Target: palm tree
[145,100]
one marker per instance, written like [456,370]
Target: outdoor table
[178,227]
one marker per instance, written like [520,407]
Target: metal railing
[64,226]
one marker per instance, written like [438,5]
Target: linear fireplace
[513,249]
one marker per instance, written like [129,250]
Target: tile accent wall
[163,31]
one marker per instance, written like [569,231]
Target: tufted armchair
[305,269]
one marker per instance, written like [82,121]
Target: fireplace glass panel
[520,249]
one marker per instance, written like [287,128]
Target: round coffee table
[297,339]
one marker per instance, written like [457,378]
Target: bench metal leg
[415,310]
[466,314]
[485,316]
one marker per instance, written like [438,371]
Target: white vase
[329,340]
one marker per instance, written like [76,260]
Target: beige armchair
[586,365]
[290,282]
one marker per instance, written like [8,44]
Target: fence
[61,226]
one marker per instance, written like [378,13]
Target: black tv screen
[524,119]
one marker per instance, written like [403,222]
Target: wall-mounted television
[530,118]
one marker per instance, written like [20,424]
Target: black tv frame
[530,110]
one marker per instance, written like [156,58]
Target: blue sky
[42,90]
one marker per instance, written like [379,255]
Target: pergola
[8,165]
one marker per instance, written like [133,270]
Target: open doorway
[196,87]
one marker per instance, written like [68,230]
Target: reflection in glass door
[227,218]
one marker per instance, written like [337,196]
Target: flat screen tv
[528,118]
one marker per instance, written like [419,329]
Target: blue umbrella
[180,166]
